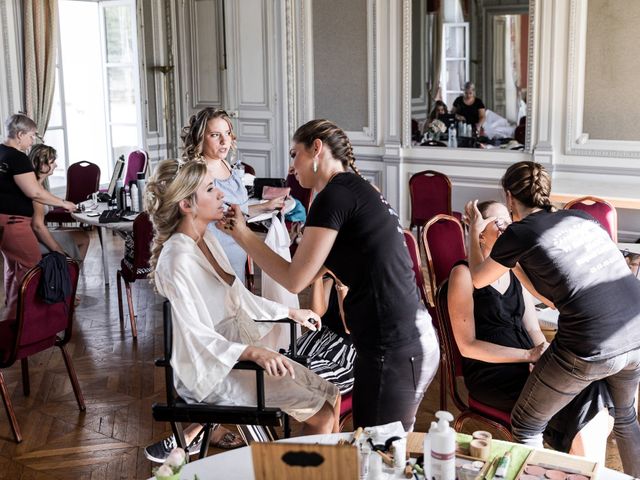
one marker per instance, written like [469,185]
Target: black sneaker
[159,451]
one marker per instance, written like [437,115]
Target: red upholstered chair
[83,179]
[248,169]
[601,210]
[414,253]
[430,193]
[346,407]
[452,371]
[135,264]
[137,162]
[443,240]
[299,192]
[36,328]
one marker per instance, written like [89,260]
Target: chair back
[142,238]
[165,362]
[37,322]
[248,169]
[299,192]
[414,253]
[430,193]
[452,364]
[137,162]
[601,210]
[83,179]
[443,240]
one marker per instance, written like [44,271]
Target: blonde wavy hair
[193,133]
[172,181]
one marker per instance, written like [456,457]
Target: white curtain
[40,20]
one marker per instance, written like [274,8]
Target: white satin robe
[213,324]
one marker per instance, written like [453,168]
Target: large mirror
[469,73]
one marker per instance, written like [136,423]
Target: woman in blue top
[209,135]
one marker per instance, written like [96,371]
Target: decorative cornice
[597,170]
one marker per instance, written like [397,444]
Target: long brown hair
[529,183]
[193,133]
[42,155]
[172,182]
[332,136]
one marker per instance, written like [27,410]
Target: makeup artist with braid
[353,231]
[572,262]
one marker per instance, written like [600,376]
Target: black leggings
[389,387]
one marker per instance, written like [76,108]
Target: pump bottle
[443,448]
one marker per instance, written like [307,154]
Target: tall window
[96,112]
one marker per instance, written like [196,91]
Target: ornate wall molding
[406,73]
[577,142]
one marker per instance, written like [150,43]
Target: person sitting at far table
[73,243]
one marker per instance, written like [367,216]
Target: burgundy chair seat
[135,264]
[452,361]
[83,179]
[604,212]
[346,404]
[487,411]
[36,328]
[430,193]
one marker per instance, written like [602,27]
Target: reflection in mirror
[469,73]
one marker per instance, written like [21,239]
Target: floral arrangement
[170,469]
[437,127]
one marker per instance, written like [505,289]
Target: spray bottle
[443,448]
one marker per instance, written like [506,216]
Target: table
[88,217]
[238,465]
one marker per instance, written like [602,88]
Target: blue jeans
[559,376]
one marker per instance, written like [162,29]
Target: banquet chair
[443,241]
[83,179]
[430,194]
[414,253]
[452,371]
[135,264]
[248,169]
[601,210]
[255,423]
[37,327]
[299,192]
[136,162]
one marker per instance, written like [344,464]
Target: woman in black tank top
[499,336]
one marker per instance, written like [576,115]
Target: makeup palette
[550,465]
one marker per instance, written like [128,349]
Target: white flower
[176,458]
[163,472]
[437,126]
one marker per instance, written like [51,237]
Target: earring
[315,166]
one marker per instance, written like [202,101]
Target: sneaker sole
[154,459]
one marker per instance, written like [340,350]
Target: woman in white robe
[213,312]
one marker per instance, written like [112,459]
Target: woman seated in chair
[497,332]
[73,243]
[213,312]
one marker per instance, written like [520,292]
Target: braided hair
[193,133]
[529,183]
[172,182]
[332,136]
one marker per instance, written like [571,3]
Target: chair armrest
[278,320]
[247,365]
[161,362]
[293,348]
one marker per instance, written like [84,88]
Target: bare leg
[322,422]
[81,239]
[591,441]
[336,415]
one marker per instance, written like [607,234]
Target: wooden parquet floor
[119,382]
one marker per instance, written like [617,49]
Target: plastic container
[443,448]
[135,198]
[141,183]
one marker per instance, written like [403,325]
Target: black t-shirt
[370,257]
[571,260]
[12,200]
[471,113]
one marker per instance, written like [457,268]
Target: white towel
[278,240]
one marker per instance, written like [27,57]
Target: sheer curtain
[436,57]
[40,20]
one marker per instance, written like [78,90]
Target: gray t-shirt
[571,260]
